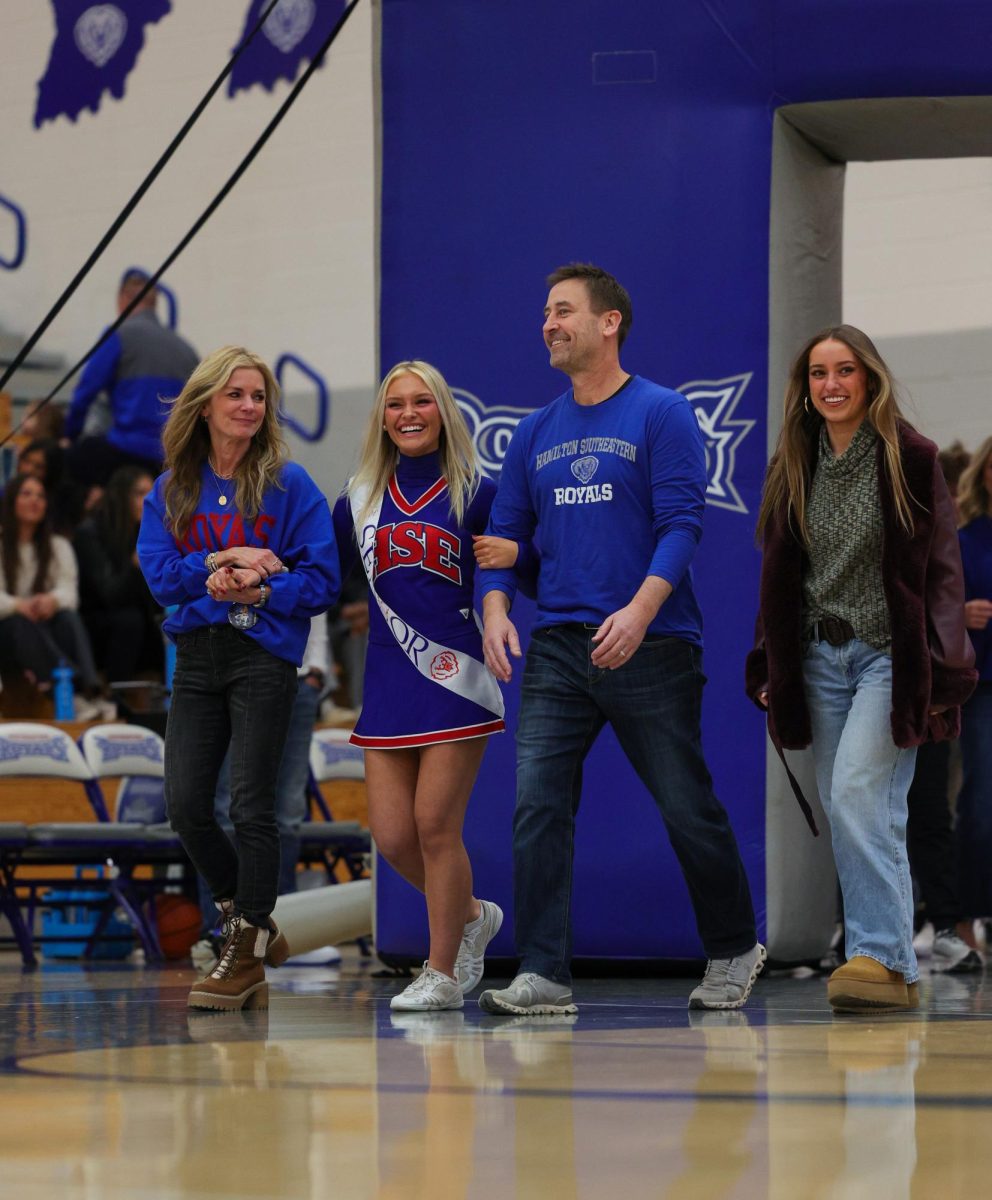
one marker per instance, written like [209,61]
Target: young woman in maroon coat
[861,646]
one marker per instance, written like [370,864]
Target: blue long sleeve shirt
[140,367]
[294,522]
[614,492]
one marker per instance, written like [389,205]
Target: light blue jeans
[864,778]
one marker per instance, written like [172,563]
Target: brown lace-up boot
[238,979]
[278,948]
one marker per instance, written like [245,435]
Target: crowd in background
[72,593]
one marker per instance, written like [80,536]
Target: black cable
[211,208]
[128,208]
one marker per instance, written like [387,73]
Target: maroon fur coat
[932,657]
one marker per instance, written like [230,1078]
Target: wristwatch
[263,595]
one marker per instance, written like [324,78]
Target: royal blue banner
[95,49]
[293,33]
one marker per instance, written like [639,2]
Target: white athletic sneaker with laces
[431,991]
[470,962]
[728,981]
[952,955]
[529,995]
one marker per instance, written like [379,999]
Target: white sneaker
[728,981]
[529,994]
[923,941]
[85,710]
[470,962]
[205,952]
[325,956]
[431,991]
[953,955]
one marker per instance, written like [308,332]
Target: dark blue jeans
[228,691]
[653,704]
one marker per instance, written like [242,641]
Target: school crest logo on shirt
[444,665]
[714,402]
[585,468]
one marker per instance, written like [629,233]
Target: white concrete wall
[918,279]
[285,265]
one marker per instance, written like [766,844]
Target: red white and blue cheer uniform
[425,681]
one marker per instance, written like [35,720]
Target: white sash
[452,669]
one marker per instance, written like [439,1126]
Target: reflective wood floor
[110,1089]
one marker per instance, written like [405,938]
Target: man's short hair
[133,280]
[606,294]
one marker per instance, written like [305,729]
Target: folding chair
[328,841]
[135,756]
[47,752]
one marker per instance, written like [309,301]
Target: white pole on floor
[325,916]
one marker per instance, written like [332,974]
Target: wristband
[263,595]
[210,562]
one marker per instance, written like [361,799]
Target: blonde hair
[186,440]
[790,470]
[459,462]
[973,496]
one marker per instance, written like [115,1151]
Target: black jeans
[929,839]
[228,691]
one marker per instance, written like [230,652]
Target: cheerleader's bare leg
[417,800]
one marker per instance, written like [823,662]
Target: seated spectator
[39,624]
[44,459]
[954,460]
[139,367]
[122,618]
[42,421]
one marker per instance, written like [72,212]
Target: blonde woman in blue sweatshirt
[241,542]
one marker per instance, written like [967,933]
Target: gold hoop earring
[806,405]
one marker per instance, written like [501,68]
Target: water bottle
[62,692]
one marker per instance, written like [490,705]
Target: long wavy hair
[10,549]
[973,496]
[186,440]
[788,477]
[459,462]
[113,515]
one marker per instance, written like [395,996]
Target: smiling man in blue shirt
[610,480]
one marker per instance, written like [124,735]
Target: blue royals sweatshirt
[612,493]
[295,523]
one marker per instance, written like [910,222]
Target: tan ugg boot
[238,979]
[864,985]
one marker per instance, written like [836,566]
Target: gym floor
[110,1088]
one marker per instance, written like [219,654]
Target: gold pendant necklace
[221,498]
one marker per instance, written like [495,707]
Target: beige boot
[238,979]
[863,985]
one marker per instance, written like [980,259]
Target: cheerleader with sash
[410,514]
